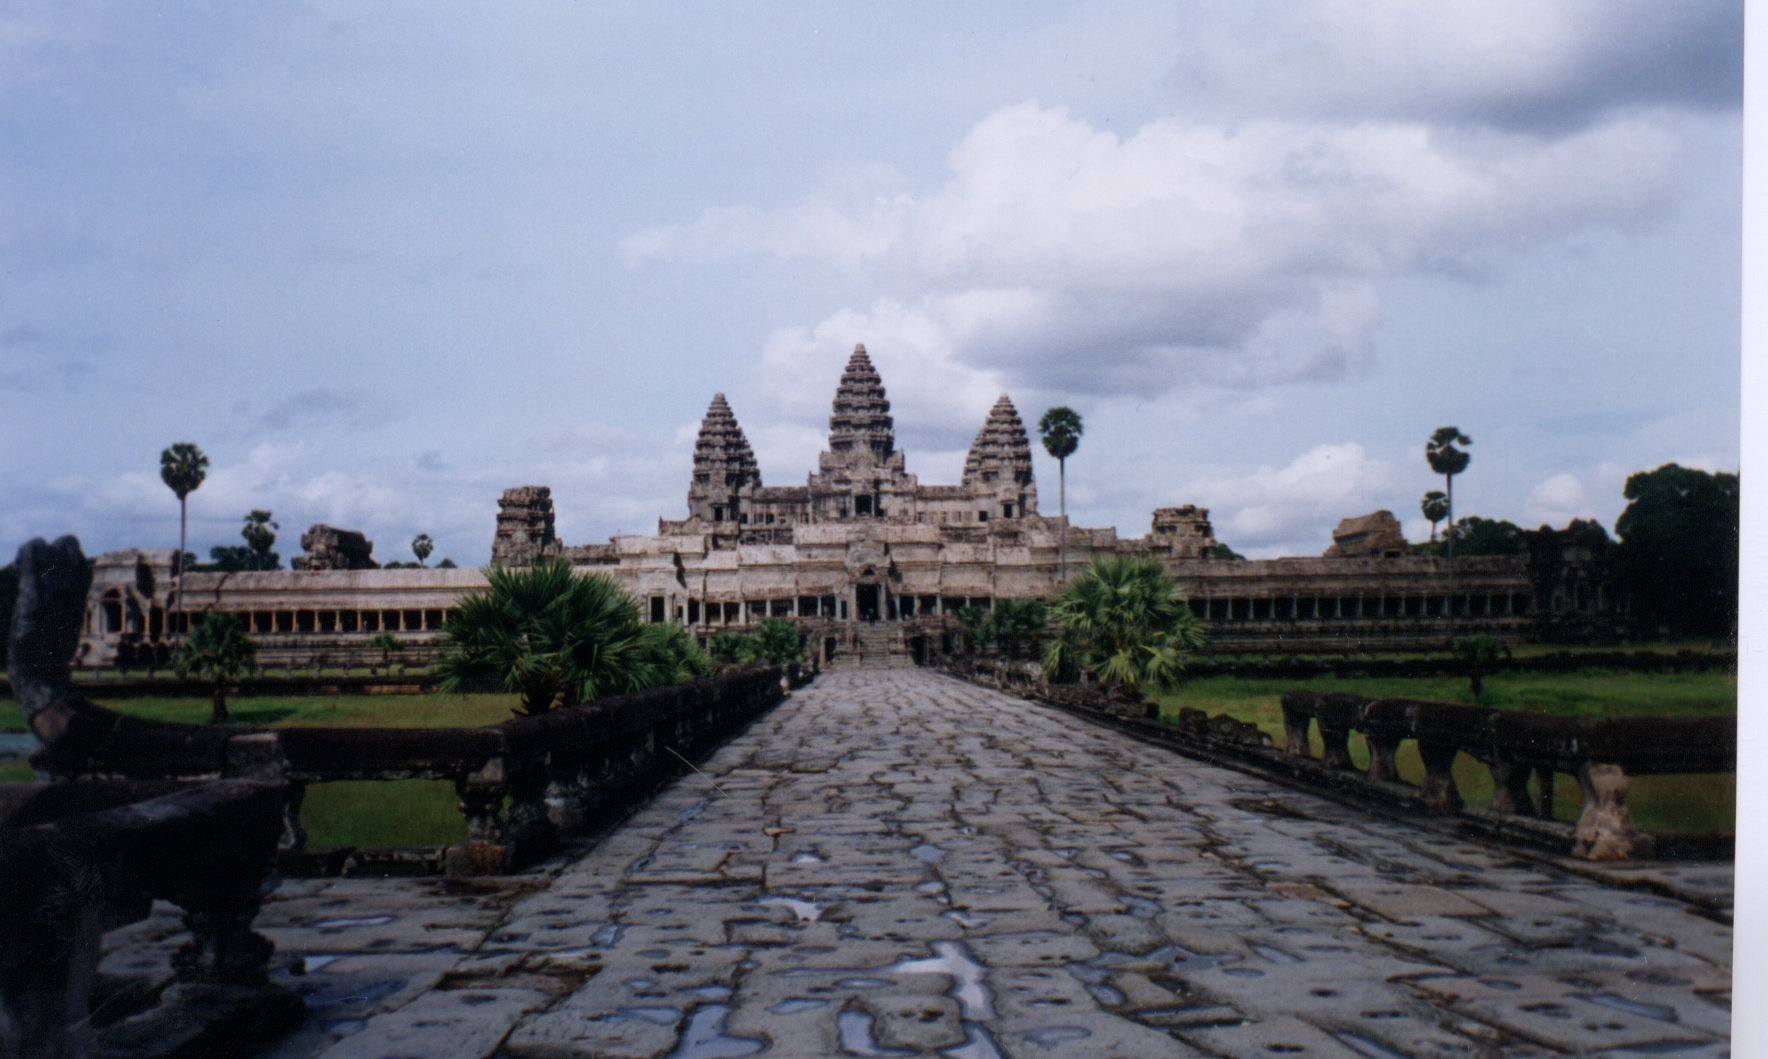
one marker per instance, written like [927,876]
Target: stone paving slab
[903,864]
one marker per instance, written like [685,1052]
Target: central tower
[862,473]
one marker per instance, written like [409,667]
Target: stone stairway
[878,646]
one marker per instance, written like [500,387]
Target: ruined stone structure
[873,563]
[329,548]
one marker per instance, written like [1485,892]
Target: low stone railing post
[1510,786]
[294,832]
[1441,796]
[1544,793]
[1297,715]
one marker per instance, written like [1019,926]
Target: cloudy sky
[383,261]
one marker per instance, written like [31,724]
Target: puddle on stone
[857,983]
[977,1045]
[927,853]
[1050,1036]
[1108,996]
[1065,854]
[1364,1046]
[856,1035]
[806,911]
[1614,1001]
[747,965]
[640,983]
[607,936]
[705,1037]
[968,922]
[708,992]
[351,921]
[1274,954]
[1143,909]
[796,1005]
[806,858]
[1243,972]
[316,963]
[951,959]
[657,1015]
[320,995]
[933,887]
[346,1027]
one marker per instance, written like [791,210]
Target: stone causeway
[893,862]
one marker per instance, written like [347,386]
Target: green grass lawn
[1676,803]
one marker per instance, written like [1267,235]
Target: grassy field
[1690,803]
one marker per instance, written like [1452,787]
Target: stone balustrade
[80,859]
[1516,746]
[1601,752]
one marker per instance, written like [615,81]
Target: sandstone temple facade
[871,562]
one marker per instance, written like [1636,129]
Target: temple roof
[1001,451]
[861,418]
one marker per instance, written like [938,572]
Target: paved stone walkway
[896,863]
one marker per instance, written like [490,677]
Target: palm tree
[183,468]
[216,651]
[1123,622]
[556,639]
[1061,429]
[1017,623]
[422,546]
[386,643]
[1435,508]
[1448,460]
[260,534]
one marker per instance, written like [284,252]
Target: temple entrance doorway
[866,599]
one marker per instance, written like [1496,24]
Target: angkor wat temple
[874,565]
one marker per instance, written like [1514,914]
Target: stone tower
[861,431]
[999,464]
[726,475]
[862,474]
[524,527]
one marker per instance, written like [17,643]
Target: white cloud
[1557,501]
[1277,510]
[1060,255]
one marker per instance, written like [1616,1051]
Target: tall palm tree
[1124,621]
[557,639]
[1061,428]
[1435,508]
[1446,458]
[183,468]
[422,546]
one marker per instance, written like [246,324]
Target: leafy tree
[183,468]
[1677,553]
[1484,536]
[1017,623]
[1435,508]
[778,642]
[260,534]
[1479,653]
[386,643]
[1061,428]
[731,647]
[1124,622]
[978,629]
[1222,551]
[422,546]
[672,654]
[445,564]
[216,651]
[553,637]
